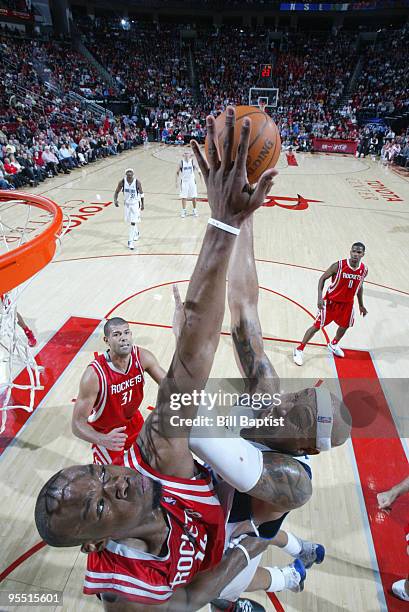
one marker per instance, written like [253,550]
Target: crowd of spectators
[311,71]
[23,6]
[45,132]
[30,155]
[383,85]
[42,132]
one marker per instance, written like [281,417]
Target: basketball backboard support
[268,96]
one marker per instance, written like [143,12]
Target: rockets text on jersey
[194,542]
[346,282]
[119,398]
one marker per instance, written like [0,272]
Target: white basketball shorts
[132,213]
[188,189]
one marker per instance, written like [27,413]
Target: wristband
[223,226]
[243,549]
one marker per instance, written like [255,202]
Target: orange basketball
[264,145]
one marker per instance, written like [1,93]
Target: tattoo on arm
[249,346]
[283,483]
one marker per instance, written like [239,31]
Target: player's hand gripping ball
[265,141]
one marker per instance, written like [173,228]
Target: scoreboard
[266,71]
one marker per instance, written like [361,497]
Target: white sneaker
[130,245]
[294,576]
[195,213]
[183,213]
[398,589]
[310,553]
[298,357]
[336,349]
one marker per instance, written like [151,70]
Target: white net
[20,374]
[15,355]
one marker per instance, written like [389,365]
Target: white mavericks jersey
[131,195]
[187,170]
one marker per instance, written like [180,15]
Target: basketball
[264,145]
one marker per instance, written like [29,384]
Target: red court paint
[381,463]
[291,159]
[55,356]
[29,553]
[276,602]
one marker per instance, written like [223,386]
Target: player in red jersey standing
[347,276]
[106,412]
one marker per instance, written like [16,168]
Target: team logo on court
[300,203]
[297,203]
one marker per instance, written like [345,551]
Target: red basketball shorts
[342,313]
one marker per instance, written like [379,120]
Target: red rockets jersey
[119,397]
[346,282]
[195,541]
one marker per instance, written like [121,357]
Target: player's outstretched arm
[118,191]
[231,202]
[387,498]
[205,587]
[243,293]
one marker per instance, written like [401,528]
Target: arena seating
[176,84]
[44,132]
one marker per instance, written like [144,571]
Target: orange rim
[22,263]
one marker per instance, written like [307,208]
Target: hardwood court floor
[344,199]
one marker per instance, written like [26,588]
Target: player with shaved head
[107,409]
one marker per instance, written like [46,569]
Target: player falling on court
[185,180]
[106,411]
[347,276]
[133,203]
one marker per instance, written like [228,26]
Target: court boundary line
[368,478]
[257,259]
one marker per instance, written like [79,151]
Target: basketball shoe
[398,589]
[195,213]
[298,357]
[240,605]
[294,576]
[336,349]
[310,553]
[183,213]
[130,245]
